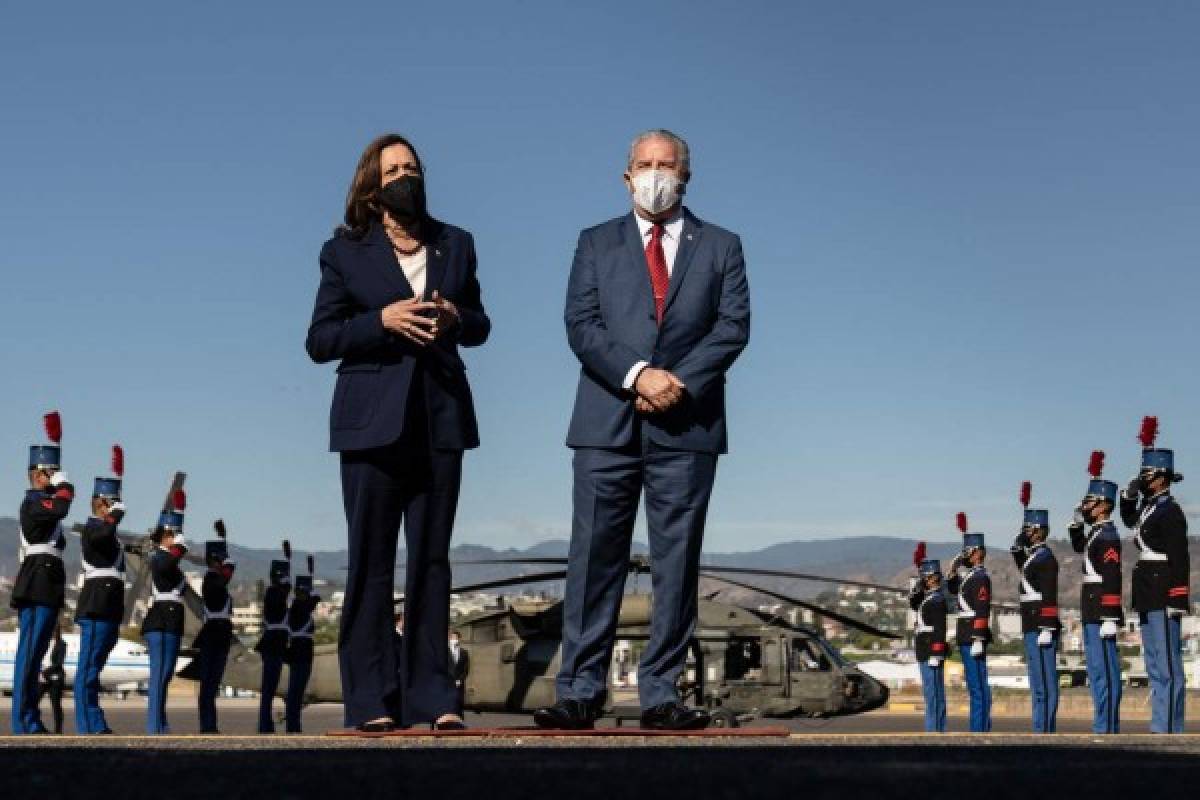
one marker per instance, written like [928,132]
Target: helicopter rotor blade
[850,622]
[537,560]
[783,573]
[516,580]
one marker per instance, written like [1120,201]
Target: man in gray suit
[657,311]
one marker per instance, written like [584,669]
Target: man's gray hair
[682,151]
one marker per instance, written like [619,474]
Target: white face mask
[656,190]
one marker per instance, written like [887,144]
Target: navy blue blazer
[611,326]
[377,370]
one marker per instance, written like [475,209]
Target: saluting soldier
[101,605]
[272,645]
[1160,577]
[38,590]
[163,626]
[972,586]
[216,634]
[1095,536]
[1038,569]
[299,648]
[926,598]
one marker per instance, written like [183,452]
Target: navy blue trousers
[211,659]
[36,624]
[1163,650]
[608,485]
[978,690]
[412,484]
[164,652]
[1104,677]
[298,674]
[272,666]
[97,637]
[1043,681]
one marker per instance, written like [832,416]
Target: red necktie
[656,261]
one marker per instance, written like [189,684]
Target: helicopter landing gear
[723,718]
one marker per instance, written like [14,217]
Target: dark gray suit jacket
[611,326]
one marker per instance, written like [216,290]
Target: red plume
[1096,464]
[287,549]
[1148,433]
[179,499]
[961,521]
[919,554]
[118,461]
[1026,493]
[53,423]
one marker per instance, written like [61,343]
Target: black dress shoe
[567,715]
[377,726]
[449,725]
[674,717]
[106,732]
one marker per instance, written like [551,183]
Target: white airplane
[127,664]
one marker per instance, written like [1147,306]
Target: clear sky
[971,230]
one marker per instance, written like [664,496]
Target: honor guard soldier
[970,583]
[40,584]
[215,636]
[1095,536]
[926,598]
[1038,569]
[101,605]
[163,626]
[299,648]
[272,646]
[1160,577]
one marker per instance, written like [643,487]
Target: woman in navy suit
[398,296]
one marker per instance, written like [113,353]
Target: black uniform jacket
[41,580]
[300,648]
[974,591]
[101,598]
[1101,548]
[1039,588]
[275,611]
[931,613]
[1163,529]
[165,575]
[214,590]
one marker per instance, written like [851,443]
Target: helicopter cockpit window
[806,658]
[743,660]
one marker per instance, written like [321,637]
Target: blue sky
[971,232]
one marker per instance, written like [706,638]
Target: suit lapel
[689,239]
[637,255]
[379,251]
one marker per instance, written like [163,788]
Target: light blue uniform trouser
[975,671]
[933,686]
[1163,650]
[1104,678]
[1043,681]
[97,637]
[36,625]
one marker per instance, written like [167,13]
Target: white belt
[301,634]
[1093,579]
[173,596]
[216,615]
[101,572]
[1031,597]
[43,550]
[1150,555]
[278,626]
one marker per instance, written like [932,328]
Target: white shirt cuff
[632,375]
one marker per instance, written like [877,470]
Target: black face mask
[404,198]
[1144,482]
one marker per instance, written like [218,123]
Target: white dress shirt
[414,270]
[672,230]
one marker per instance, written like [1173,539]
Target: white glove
[179,541]
[117,506]
[59,478]
[1108,629]
[1045,638]
[1077,516]
[977,648]
[912,584]
[935,661]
